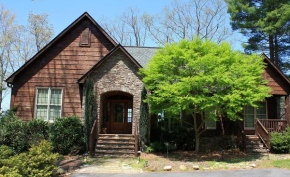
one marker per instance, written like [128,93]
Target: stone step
[116,147]
[116,142]
[251,146]
[252,137]
[253,142]
[116,136]
[114,155]
[258,150]
[116,139]
[113,152]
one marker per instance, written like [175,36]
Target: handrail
[263,133]
[93,136]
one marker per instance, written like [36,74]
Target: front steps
[115,145]
[254,144]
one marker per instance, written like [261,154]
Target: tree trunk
[276,53]
[271,48]
[196,132]
[222,123]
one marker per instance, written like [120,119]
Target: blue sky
[63,12]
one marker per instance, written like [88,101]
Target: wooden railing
[136,141]
[262,133]
[93,138]
[274,125]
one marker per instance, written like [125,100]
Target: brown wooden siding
[278,84]
[60,66]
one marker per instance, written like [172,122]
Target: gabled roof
[142,54]
[276,68]
[120,47]
[57,38]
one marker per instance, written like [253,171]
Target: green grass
[276,163]
[133,163]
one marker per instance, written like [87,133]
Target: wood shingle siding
[61,65]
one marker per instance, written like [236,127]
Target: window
[48,104]
[250,113]
[129,113]
[210,124]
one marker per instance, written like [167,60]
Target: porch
[272,115]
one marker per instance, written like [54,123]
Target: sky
[63,12]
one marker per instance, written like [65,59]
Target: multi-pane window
[48,103]
[130,112]
[250,113]
[210,123]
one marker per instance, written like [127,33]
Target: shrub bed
[38,161]
[280,142]
[66,135]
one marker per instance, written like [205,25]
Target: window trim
[208,127]
[255,114]
[48,104]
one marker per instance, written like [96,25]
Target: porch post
[287,109]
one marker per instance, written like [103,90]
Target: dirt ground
[180,161]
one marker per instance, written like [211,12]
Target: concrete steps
[254,144]
[115,145]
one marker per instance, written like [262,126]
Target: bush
[37,130]
[160,147]
[5,153]
[280,143]
[12,133]
[39,161]
[66,135]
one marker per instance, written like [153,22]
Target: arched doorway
[118,113]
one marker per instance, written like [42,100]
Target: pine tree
[266,24]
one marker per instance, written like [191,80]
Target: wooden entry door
[118,116]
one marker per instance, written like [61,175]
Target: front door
[118,116]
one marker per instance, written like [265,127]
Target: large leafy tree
[266,24]
[201,77]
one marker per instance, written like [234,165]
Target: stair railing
[262,133]
[93,138]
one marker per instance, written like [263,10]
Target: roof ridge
[143,47]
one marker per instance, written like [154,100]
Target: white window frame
[208,127]
[48,102]
[255,116]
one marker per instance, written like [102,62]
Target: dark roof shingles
[141,54]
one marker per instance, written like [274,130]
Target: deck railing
[93,138]
[264,127]
[274,125]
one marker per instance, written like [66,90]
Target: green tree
[265,23]
[200,77]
